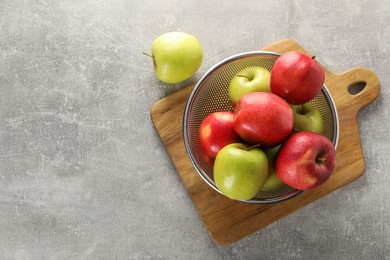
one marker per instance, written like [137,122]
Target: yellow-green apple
[250,79]
[263,119]
[215,132]
[307,118]
[176,56]
[296,77]
[240,171]
[305,160]
[273,182]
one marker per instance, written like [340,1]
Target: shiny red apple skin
[305,160]
[263,119]
[215,132]
[296,77]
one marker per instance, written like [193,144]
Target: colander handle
[355,88]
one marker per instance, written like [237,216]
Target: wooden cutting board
[228,221]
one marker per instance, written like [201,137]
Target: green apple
[307,118]
[176,56]
[273,182]
[250,79]
[240,171]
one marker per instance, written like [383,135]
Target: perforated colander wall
[211,95]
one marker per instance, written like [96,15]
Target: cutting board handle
[357,87]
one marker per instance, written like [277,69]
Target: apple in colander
[307,118]
[273,182]
[306,160]
[215,132]
[240,171]
[263,118]
[250,79]
[296,77]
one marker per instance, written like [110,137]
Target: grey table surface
[83,173]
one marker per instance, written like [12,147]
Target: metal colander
[211,94]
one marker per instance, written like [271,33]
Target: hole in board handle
[357,87]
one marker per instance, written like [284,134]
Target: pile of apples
[274,136]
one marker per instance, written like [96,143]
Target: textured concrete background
[83,174]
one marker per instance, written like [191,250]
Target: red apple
[296,77]
[306,160]
[215,132]
[263,119]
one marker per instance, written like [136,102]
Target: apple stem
[321,160]
[253,146]
[313,57]
[302,110]
[147,54]
[295,130]
[239,75]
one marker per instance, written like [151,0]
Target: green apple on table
[240,171]
[307,118]
[176,56]
[250,79]
[273,182]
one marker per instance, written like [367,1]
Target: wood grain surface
[228,221]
